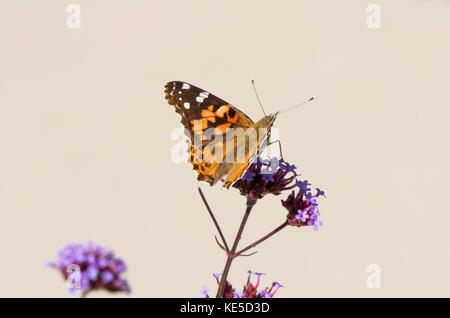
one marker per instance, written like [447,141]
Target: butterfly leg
[279,145]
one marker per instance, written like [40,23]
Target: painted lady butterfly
[202,112]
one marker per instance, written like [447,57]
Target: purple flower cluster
[266,176]
[274,176]
[249,291]
[89,267]
[303,209]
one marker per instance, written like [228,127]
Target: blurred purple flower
[204,292]
[89,267]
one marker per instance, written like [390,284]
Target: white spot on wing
[186,86]
[186,105]
[204,94]
[199,99]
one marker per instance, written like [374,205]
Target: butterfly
[204,114]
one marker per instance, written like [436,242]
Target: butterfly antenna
[290,108]
[259,101]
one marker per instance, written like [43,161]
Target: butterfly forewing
[200,112]
[189,101]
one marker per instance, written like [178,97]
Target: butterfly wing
[194,103]
[260,134]
[200,111]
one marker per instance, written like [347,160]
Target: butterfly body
[222,139]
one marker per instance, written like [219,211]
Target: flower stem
[214,219]
[265,237]
[231,255]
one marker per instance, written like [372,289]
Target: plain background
[85,141]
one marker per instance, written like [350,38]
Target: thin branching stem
[265,237]
[214,220]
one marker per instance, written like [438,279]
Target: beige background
[85,141]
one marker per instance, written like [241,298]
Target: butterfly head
[266,121]
[265,124]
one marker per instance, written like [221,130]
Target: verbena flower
[204,292]
[303,209]
[266,176]
[249,290]
[90,267]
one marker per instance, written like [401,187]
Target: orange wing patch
[222,110]
[222,129]
[208,113]
[199,124]
[232,119]
[204,164]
